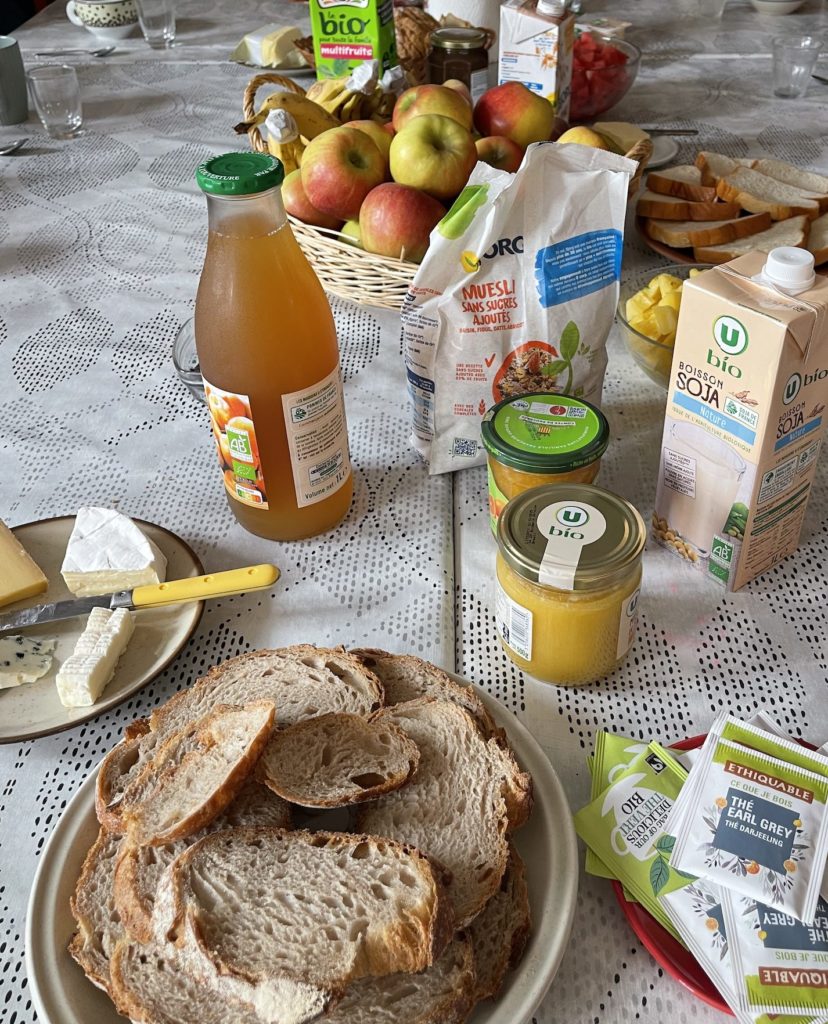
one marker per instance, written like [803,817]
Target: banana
[329,93]
[310,117]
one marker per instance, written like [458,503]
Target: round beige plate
[62,994]
[34,709]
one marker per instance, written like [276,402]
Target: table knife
[821,78]
[153,595]
[671,131]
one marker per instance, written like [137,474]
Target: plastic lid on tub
[240,174]
[790,269]
[543,432]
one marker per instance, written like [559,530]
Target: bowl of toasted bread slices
[309,833]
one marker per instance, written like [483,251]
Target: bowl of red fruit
[603,69]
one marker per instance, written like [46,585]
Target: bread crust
[662,183]
[113,769]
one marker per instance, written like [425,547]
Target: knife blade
[154,595]
[671,131]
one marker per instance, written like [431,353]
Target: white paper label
[514,624]
[627,624]
[680,472]
[567,526]
[479,83]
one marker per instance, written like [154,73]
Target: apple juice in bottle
[268,353]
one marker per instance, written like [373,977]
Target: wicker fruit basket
[343,268]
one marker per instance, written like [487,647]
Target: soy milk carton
[745,414]
[348,32]
[536,43]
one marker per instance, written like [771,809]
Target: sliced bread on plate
[651,204]
[683,234]
[115,772]
[683,182]
[99,927]
[791,175]
[337,759]
[786,232]
[818,239]
[714,166]
[758,193]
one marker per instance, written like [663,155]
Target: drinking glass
[157,19]
[794,58]
[710,9]
[56,96]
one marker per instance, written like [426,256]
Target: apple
[433,153]
[382,140]
[459,87]
[350,229]
[298,205]
[431,99]
[516,112]
[396,220]
[583,136]
[339,169]
[500,152]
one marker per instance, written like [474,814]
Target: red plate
[660,944]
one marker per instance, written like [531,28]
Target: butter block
[20,576]
[270,46]
[84,675]
[24,659]
[107,552]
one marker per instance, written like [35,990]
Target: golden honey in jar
[568,579]
[541,438]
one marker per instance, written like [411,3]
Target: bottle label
[627,624]
[235,438]
[317,439]
[514,624]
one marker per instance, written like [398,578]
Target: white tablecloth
[101,240]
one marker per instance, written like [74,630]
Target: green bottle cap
[240,174]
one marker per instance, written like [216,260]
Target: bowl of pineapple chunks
[648,310]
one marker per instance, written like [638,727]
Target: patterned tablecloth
[101,240]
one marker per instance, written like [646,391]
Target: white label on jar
[567,526]
[680,472]
[627,624]
[479,83]
[317,439]
[514,624]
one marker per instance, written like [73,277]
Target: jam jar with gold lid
[461,54]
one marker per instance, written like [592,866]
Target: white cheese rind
[23,659]
[108,552]
[85,673]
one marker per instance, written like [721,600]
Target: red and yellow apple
[431,99]
[396,220]
[432,153]
[339,169]
[298,205]
[500,152]
[518,113]
[381,138]
[350,229]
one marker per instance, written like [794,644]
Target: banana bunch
[283,139]
[334,95]
[311,118]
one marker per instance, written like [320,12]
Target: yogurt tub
[538,439]
[568,579]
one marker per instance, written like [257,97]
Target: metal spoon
[102,51]
[12,146]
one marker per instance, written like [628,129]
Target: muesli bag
[516,293]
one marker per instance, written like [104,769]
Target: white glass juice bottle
[268,353]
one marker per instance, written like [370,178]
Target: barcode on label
[465,447]
[514,624]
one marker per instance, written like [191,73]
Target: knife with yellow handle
[153,595]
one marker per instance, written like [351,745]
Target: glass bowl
[185,359]
[654,357]
[597,89]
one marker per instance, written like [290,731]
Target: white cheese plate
[34,709]
[62,994]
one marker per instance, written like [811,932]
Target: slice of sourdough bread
[785,232]
[337,759]
[99,927]
[293,918]
[454,809]
[195,774]
[683,234]
[406,677]
[117,770]
[683,182]
[500,931]
[442,994]
[758,193]
[651,204]
[138,869]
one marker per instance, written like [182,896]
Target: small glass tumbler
[157,20]
[710,8]
[794,58]
[56,95]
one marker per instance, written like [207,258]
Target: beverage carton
[348,32]
[536,50]
[745,414]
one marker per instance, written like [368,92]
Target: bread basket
[343,268]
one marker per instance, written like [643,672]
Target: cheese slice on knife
[81,679]
[108,552]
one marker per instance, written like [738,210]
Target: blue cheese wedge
[22,660]
[81,679]
[108,552]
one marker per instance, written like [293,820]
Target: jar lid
[570,536]
[240,174]
[545,433]
[458,38]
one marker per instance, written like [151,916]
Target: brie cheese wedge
[22,660]
[108,552]
[81,679]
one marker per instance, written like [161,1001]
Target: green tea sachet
[624,826]
[612,755]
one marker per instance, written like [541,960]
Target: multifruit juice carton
[745,414]
[348,32]
[536,43]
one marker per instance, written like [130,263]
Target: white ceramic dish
[665,149]
[776,6]
[62,995]
[34,709]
